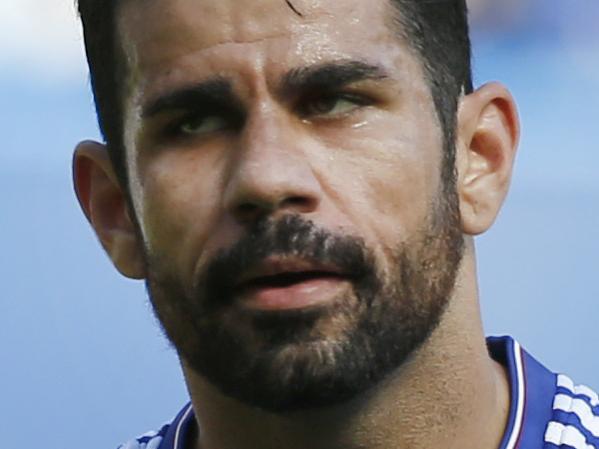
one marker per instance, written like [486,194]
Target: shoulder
[170,436]
[575,416]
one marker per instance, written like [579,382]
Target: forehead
[227,21]
[166,41]
[222,21]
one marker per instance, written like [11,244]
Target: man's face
[285,175]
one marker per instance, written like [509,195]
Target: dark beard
[293,360]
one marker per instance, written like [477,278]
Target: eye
[331,105]
[200,124]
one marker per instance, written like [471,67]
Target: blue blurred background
[82,360]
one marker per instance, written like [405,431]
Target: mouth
[284,280]
[278,285]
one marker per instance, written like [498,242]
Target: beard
[284,361]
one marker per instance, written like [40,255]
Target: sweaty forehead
[164,33]
[216,22]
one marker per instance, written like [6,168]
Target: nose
[271,173]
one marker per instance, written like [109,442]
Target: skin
[369,169]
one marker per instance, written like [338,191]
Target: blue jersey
[547,410]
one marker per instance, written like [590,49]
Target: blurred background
[82,360]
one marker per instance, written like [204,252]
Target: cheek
[180,203]
[387,174]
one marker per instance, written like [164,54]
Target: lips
[288,283]
[277,272]
[287,279]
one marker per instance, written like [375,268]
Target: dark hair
[436,29]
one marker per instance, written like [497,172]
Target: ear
[105,205]
[488,134]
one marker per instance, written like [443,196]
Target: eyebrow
[329,75]
[218,91]
[214,91]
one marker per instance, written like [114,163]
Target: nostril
[300,202]
[248,211]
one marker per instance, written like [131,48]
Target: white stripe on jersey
[511,444]
[565,382]
[581,409]
[181,421]
[559,434]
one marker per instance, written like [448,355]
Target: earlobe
[104,204]
[488,133]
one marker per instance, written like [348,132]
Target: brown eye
[331,105]
[202,124]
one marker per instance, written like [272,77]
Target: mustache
[290,236]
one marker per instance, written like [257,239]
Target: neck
[450,394]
